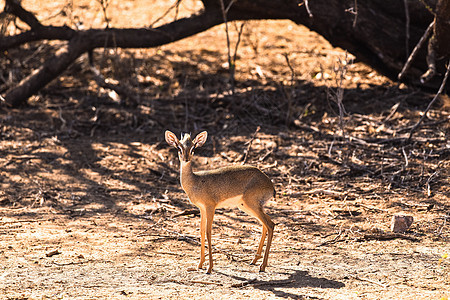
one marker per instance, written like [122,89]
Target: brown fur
[245,187]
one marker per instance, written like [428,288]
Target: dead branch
[429,181]
[335,240]
[80,42]
[438,45]
[247,151]
[207,282]
[120,89]
[16,9]
[381,49]
[441,89]
[386,237]
[368,280]
[307,8]
[54,66]
[407,27]
[188,212]
[415,51]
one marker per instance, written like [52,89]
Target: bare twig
[337,95]
[240,30]
[369,280]
[406,157]
[354,11]
[386,237]
[325,192]
[392,112]
[187,212]
[307,8]
[335,240]
[407,27]
[73,263]
[441,88]
[250,145]
[290,95]
[175,6]
[443,225]
[356,14]
[104,4]
[431,61]
[416,51]
[428,182]
[231,58]
[286,56]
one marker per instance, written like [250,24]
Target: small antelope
[245,187]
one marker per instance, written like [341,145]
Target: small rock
[52,253]
[401,223]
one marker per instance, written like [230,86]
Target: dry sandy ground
[91,206]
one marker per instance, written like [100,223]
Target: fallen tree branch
[37,34]
[52,68]
[14,7]
[84,41]
[381,49]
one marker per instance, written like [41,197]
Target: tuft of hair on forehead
[185,138]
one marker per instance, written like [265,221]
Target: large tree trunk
[374,31]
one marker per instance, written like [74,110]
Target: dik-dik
[245,187]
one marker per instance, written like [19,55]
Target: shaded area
[87,173]
[298,279]
[354,27]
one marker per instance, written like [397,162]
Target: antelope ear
[200,139]
[171,139]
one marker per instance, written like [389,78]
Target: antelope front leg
[209,221]
[202,238]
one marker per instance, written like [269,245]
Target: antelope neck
[187,177]
[185,168]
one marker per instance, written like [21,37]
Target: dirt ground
[90,202]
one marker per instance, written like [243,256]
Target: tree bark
[442,28]
[375,31]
